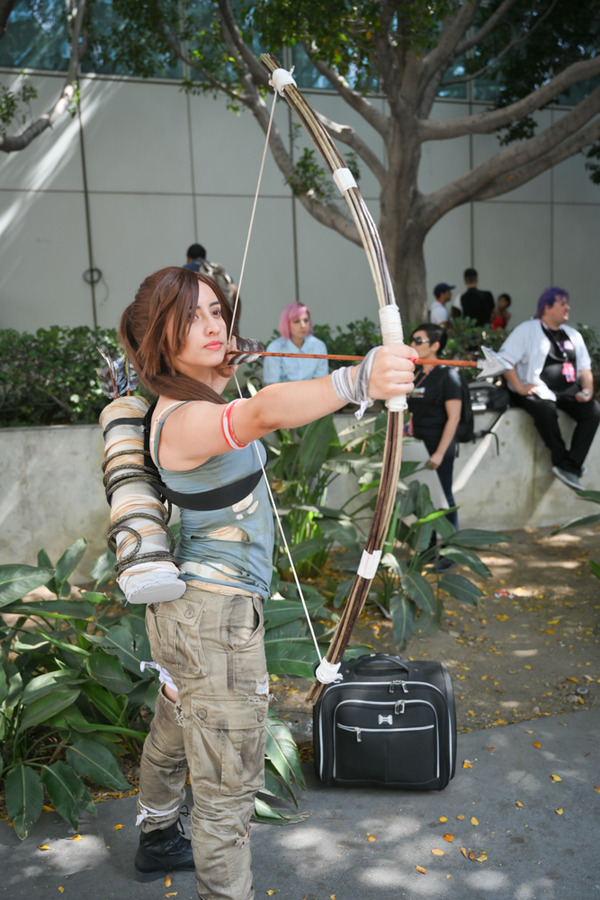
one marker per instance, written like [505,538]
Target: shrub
[49,378]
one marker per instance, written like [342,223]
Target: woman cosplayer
[212,706]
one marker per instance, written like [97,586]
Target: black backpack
[465,433]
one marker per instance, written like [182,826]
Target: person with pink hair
[295,329]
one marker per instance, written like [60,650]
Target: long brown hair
[154,328]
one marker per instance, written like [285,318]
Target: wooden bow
[392,454]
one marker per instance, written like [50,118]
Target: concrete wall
[51,490]
[145,170]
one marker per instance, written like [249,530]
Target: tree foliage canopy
[518,56]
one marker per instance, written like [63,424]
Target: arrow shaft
[429,362]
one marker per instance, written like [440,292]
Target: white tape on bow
[368,564]
[344,179]
[279,78]
[327,672]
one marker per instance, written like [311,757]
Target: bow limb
[391,331]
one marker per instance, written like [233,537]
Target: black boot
[161,851]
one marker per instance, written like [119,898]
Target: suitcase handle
[377,660]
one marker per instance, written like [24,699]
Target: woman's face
[300,328]
[206,342]
[420,342]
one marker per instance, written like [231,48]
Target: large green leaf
[107,669]
[269,816]
[96,762]
[119,641]
[16,580]
[418,589]
[478,537]
[105,702]
[70,560]
[24,798]
[461,589]
[48,682]
[43,708]
[279,611]
[466,558]
[282,751]
[304,550]
[402,610]
[67,792]
[318,441]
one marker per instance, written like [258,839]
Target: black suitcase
[390,722]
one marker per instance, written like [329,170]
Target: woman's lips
[214,345]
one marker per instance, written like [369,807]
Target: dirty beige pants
[212,645]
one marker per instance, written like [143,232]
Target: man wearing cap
[438,314]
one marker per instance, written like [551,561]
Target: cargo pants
[212,645]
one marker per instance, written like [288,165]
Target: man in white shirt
[438,314]
[551,371]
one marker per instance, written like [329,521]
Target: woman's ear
[435,348]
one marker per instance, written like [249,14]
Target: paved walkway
[532,836]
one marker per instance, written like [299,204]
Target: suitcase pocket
[394,743]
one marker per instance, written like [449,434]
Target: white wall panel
[442,161]
[512,252]
[43,253]
[576,244]
[447,251]
[136,137]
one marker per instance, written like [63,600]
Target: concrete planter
[51,490]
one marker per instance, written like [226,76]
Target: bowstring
[239,389]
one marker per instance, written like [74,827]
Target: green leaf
[279,611]
[24,798]
[268,816]
[461,589]
[282,752]
[43,708]
[304,550]
[595,567]
[96,762]
[105,702]
[103,569]
[107,669]
[478,537]
[119,641]
[16,580]
[417,587]
[48,682]
[70,560]
[466,558]
[402,610]
[67,792]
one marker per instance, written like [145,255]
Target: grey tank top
[233,546]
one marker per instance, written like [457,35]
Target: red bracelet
[227,426]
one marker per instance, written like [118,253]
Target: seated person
[552,371]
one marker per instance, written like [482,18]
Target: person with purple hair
[551,370]
[295,329]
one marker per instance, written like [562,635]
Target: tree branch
[562,151]
[13,143]
[486,29]
[569,131]
[349,136]
[485,123]
[6,7]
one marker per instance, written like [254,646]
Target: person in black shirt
[435,405]
[475,303]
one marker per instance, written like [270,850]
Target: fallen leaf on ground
[556,778]
[437,852]
[43,847]
[168,881]
[421,869]
[559,811]
[449,838]
[117,827]
[519,804]
[76,837]
[474,821]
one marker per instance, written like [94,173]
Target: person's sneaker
[568,478]
[161,851]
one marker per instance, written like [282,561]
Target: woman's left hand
[392,372]
[435,460]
